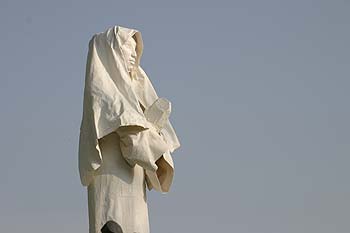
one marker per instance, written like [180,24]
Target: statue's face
[130,54]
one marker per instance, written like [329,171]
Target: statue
[126,138]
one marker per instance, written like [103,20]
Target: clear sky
[260,97]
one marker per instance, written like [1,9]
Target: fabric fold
[141,146]
[161,180]
[110,102]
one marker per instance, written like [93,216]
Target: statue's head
[129,51]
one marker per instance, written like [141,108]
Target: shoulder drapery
[111,104]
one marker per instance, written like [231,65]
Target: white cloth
[117,192]
[111,102]
[120,152]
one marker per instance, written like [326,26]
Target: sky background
[260,97]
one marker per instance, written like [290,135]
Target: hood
[111,100]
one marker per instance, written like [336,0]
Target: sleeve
[142,146]
[161,180]
[147,148]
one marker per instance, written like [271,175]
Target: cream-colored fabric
[117,192]
[141,146]
[112,100]
[120,151]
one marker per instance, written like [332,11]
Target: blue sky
[260,103]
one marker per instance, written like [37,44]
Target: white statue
[125,136]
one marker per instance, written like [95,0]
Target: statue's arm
[142,146]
